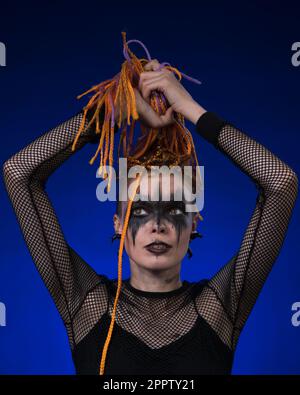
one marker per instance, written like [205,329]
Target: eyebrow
[161,203]
[172,199]
[165,205]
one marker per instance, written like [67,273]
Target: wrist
[193,111]
[209,126]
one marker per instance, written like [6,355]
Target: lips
[158,242]
[158,247]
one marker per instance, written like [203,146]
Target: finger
[147,86]
[151,74]
[147,75]
[144,83]
[158,84]
[152,65]
[158,121]
[168,118]
[147,115]
[152,79]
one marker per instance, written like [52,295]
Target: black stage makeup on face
[171,211]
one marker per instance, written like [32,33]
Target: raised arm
[232,292]
[66,275]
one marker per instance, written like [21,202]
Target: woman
[163,325]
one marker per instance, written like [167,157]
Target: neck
[155,280]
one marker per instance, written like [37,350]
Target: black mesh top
[193,329]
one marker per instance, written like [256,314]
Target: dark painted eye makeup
[173,208]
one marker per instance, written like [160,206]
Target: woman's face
[162,221]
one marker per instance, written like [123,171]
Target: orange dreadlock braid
[172,144]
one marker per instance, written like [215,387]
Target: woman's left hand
[165,81]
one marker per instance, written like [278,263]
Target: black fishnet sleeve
[231,294]
[67,276]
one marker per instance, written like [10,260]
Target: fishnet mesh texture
[83,296]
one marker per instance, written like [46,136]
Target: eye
[138,212]
[175,211]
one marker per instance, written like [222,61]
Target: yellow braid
[124,230]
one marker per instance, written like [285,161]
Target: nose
[159,227]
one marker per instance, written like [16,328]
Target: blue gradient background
[242,54]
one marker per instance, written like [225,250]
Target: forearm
[238,283]
[192,111]
[40,158]
[25,175]
[261,165]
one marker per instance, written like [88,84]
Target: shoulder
[197,286]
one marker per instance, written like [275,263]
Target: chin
[158,266]
[164,260]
